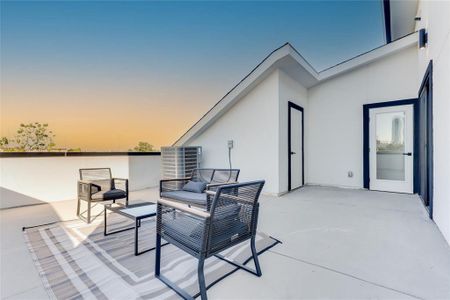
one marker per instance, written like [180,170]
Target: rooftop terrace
[337,243]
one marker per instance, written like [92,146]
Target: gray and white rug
[76,261]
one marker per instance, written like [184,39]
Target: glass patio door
[391,134]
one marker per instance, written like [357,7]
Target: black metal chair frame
[206,243]
[85,190]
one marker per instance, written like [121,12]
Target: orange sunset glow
[105,118]
[105,75]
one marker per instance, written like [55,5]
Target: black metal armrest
[122,182]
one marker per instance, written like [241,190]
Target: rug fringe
[51,223]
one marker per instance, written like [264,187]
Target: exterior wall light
[423,38]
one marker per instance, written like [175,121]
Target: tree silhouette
[34,137]
[4,142]
[142,147]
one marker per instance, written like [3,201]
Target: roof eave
[239,90]
[369,57]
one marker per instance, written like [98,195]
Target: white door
[296,149]
[391,143]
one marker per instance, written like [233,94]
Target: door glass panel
[390,132]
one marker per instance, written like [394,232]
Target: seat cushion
[109,195]
[185,229]
[195,186]
[225,217]
[188,230]
[185,196]
[229,211]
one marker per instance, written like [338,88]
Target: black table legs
[137,225]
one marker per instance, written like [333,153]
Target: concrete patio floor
[337,244]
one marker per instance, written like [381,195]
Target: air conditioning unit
[179,162]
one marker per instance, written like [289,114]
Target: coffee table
[135,212]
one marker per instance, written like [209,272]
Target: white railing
[29,179]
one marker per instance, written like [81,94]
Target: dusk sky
[105,75]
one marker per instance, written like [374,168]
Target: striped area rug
[76,261]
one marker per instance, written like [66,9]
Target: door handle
[293,153]
[407,154]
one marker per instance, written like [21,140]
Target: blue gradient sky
[141,59]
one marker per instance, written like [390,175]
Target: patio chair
[97,185]
[232,220]
[207,179]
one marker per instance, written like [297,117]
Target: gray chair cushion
[225,218]
[227,211]
[194,186]
[229,214]
[109,195]
[189,231]
[183,230]
[196,198]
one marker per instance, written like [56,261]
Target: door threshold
[297,188]
[403,193]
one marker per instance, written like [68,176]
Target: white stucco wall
[289,90]
[333,123]
[33,180]
[335,116]
[143,172]
[252,123]
[436,19]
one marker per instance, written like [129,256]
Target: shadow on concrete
[11,199]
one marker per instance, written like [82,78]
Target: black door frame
[298,107]
[366,156]
[427,81]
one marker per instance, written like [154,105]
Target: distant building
[397,131]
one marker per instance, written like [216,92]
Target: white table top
[135,210]
[140,210]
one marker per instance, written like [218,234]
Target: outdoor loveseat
[192,190]
[231,220]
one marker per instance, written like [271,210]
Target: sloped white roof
[291,61]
